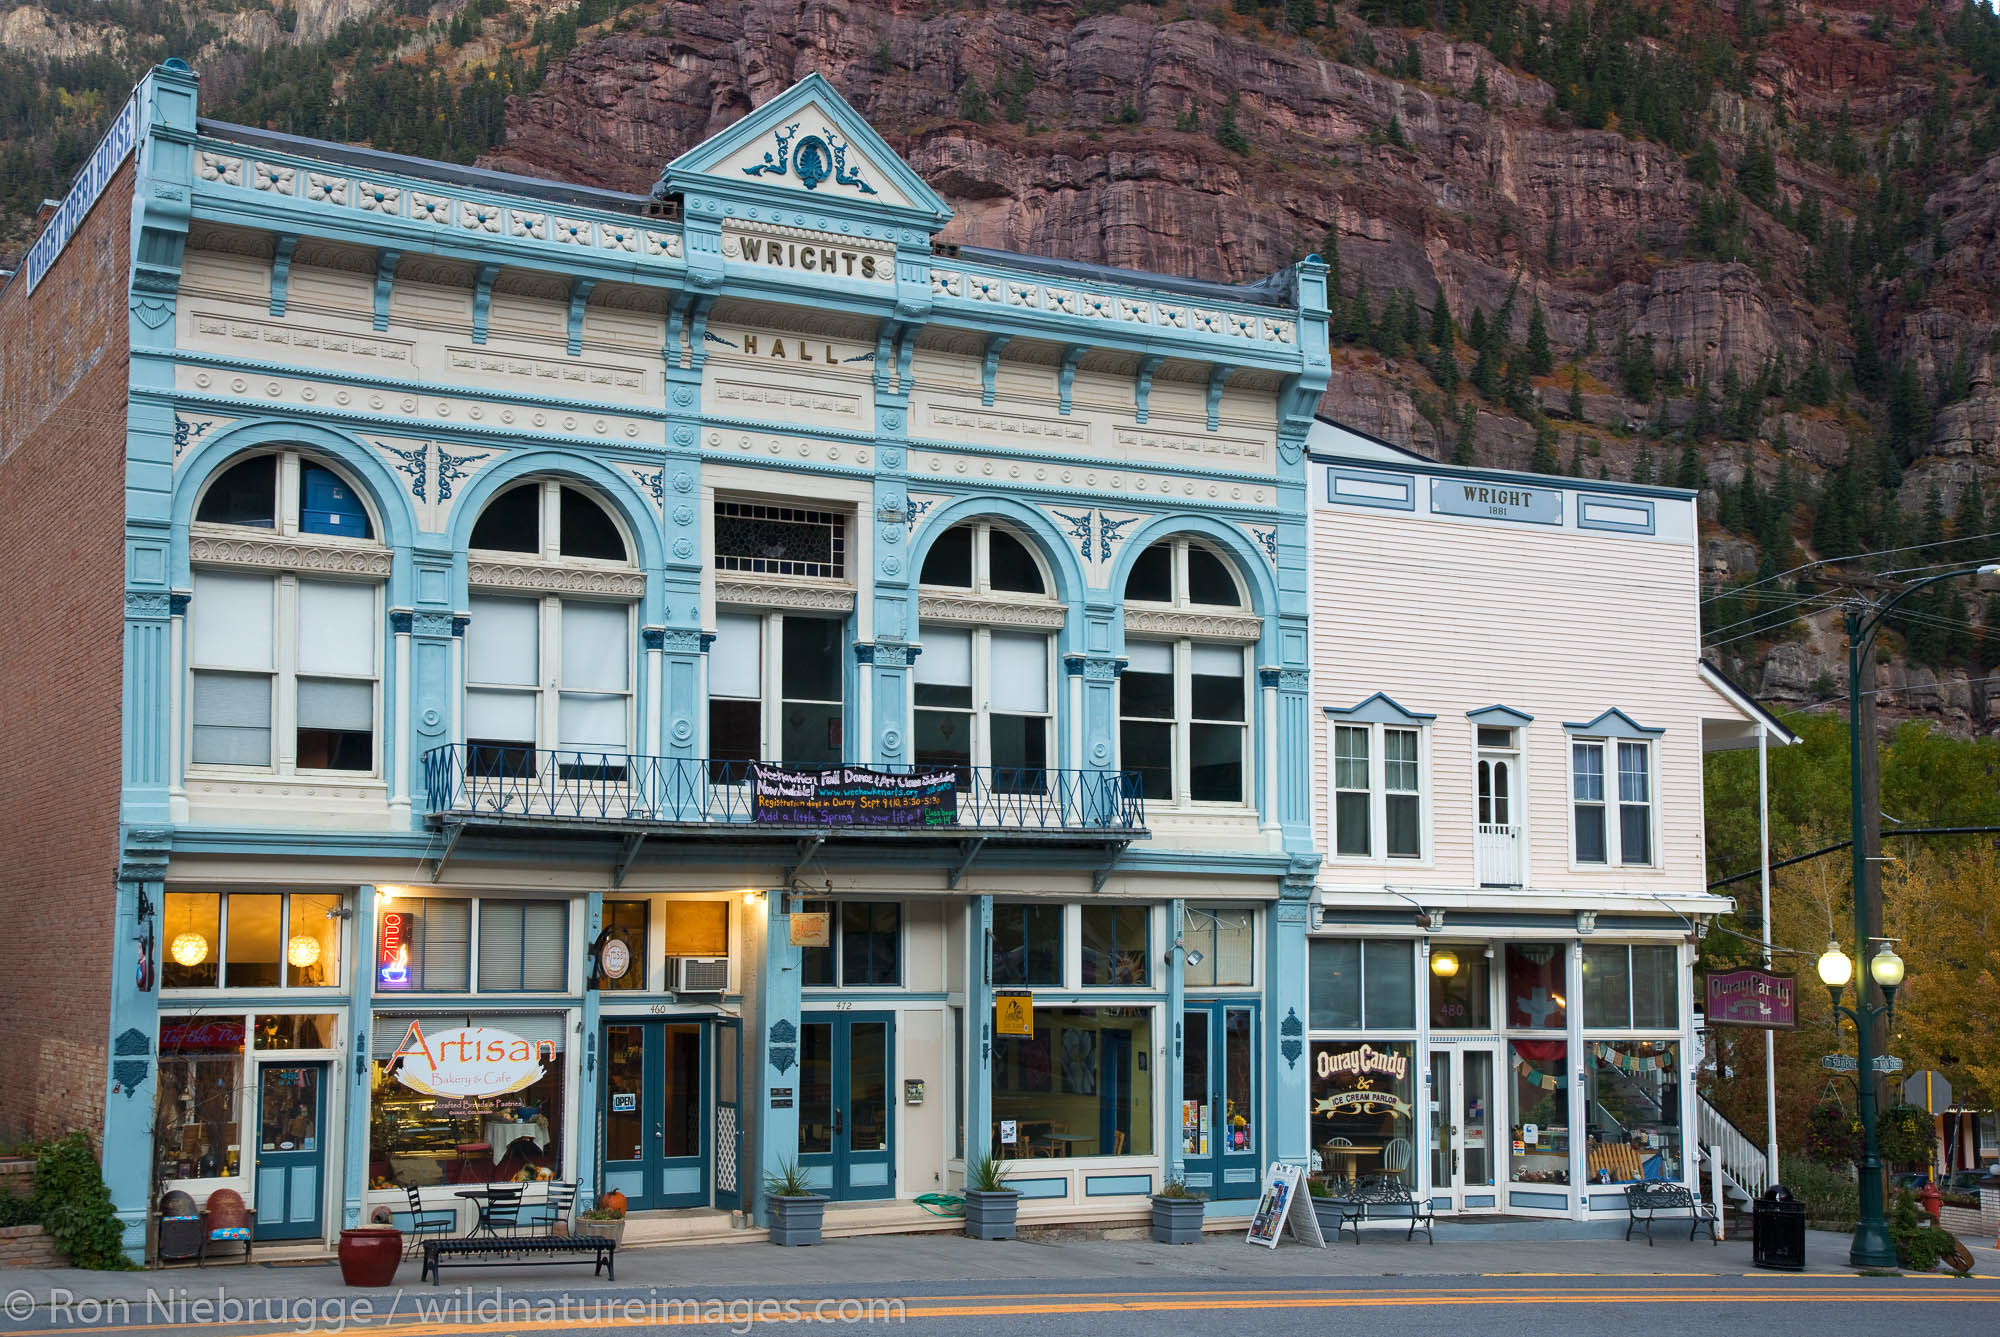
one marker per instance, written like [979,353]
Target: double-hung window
[284,643]
[1378,787]
[1028,945]
[546,672]
[1611,798]
[1184,700]
[865,947]
[775,690]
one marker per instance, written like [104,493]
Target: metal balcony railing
[462,780]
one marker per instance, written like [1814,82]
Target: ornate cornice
[977,611]
[1186,622]
[789,594]
[550,576]
[274,552]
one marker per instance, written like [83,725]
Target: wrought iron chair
[541,1218]
[503,1211]
[425,1221]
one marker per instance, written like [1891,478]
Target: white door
[1464,1150]
[1499,848]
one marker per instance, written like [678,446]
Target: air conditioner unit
[698,974]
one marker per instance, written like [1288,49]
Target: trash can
[1778,1230]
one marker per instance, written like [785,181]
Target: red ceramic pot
[369,1255]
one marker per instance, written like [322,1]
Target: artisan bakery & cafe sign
[469,1060]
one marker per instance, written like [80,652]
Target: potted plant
[1326,1208]
[369,1255]
[1177,1213]
[604,1221]
[991,1208]
[797,1213]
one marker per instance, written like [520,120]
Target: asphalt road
[1632,1305]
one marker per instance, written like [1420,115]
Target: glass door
[290,1153]
[656,1113]
[1218,1109]
[1461,1128]
[846,1073]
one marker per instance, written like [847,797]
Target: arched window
[985,682]
[284,631]
[1184,698]
[549,661]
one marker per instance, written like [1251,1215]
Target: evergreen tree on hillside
[1541,358]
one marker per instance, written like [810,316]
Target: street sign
[1929,1091]
[1887,1063]
[1841,1062]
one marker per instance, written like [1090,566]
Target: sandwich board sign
[1285,1203]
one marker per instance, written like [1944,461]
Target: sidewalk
[953,1264]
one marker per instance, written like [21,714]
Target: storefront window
[1081,1085]
[285,1030]
[1363,1110]
[1540,1144]
[463,1099]
[1461,998]
[1633,1109]
[1027,944]
[1537,994]
[201,1097]
[1359,984]
[1631,987]
[626,921]
[1115,945]
[250,940]
[424,944]
[1225,938]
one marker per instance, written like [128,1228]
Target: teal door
[291,1157]
[656,1127]
[1219,1127]
[846,1116]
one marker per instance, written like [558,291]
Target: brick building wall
[63,385]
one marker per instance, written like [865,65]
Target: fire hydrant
[1933,1203]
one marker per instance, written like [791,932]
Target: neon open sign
[392,965]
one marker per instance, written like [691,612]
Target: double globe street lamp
[1872,1246]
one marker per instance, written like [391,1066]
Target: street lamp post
[1872,1246]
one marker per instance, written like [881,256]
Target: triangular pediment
[808,146]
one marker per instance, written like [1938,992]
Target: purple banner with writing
[1752,998]
[852,796]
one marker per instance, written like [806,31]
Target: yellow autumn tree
[1944,905]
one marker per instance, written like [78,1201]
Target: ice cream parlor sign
[470,1061]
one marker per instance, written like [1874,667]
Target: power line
[1836,848]
[1851,557]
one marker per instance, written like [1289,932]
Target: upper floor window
[1028,944]
[1611,784]
[1184,698]
[1226,938]
[250,940]
[985,558]
[1378,791]
[437,944]
[544,671]
[283,646]
[1631,986]
[866,947]
[776,690]
[777,540]
[627,921]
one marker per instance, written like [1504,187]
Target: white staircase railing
[1743,1163]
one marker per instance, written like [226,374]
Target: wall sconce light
[1191,955]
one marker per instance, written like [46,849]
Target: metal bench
[1385,1199]
[1651,1197]
[521,1251]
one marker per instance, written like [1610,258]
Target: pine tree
[972,101]
[1412,331]
[1815,384]
[1395,133]
[1967,523]
[1541,358]
[1442,329]
[1576,457]
[1479,86]
[1329,251]
[1468,422]
[1475,329]
[1868,372]
[1642,468]
[1486,367]
[1576,394]
[1444,369]
[1360,315]
[1542,459]
[1690,475]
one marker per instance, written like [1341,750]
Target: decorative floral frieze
[551,576]
[1023,294]
[791,593]
[666,244]
[1243,327]
[375,198]
[1201,625]
[1138,312]
[616,237]
[1208,322]
[982,289]
[1061,299]
[944,283]
[289,554]
[570,231]
[325,188]
[1280,331]
[477,216]
[1174,317]
[274,177]
[529,225]
[216,167]
[971,610]
[430,208]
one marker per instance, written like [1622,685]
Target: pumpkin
[613,1201]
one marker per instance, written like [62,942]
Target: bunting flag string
[1634,1058]
[1547,1081]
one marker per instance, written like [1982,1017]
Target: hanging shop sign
[1752,997]
[1014,1012]
[470,1060]
[852,796]
[614,958]
[812,928]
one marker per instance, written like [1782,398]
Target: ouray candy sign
[470,1061]
[1752,997]
[852,796]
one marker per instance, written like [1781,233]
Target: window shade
[441,947]
[507,717]
[545,945]
[1149,657]
[594,653]
[232,719]
[1218,661]
[348,706]
[736,659]
[947,657]
[1020,668]
[592,722]
[500,944]
[502,641]
[232,620]
[336,628]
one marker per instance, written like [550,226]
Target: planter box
[1327,1212]
[1177,1220]
[796,1221]
[991,1216]
[609,1230]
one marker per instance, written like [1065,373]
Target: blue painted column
[1288,1069]
[886,666]
[978,1093]
[354,1080]
[589,1098]
[1175,1034]
[132,1076]
[771,1054]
